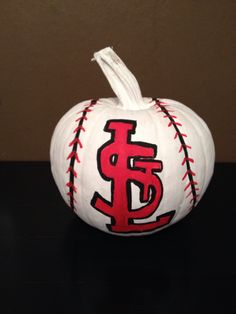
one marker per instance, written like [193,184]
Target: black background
[52,262]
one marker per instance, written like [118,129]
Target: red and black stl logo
[122,162]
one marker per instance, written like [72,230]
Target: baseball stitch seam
[187,160]
[73,156]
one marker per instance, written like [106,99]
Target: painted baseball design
[131,165]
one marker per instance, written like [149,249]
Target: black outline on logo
[128,183]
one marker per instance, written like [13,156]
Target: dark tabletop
[52,262]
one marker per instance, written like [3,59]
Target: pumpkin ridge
[73,156]
[187,160]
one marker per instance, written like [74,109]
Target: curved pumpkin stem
[122,81]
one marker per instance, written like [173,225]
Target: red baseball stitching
[80,127]
[187,160]
[180,134]
[184,145]
[73,155]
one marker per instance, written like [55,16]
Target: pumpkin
[131,165]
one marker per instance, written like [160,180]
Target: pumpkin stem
[122,81]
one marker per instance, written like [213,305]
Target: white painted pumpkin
[131,165]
